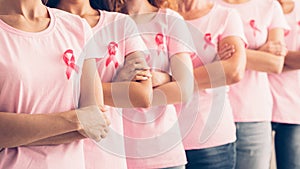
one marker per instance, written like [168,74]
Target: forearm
[209,76]
[128,94]
[22,129]
[60,139]
[292,60]
[264,62]
[173,92]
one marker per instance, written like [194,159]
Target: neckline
[239,4]
[204,16]
[100,21]
[11,29]
[155,18]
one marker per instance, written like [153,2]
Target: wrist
[71,120]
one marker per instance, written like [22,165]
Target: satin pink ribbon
[159,39]
[69,60]
[112,51]
[254,27]
[207,39]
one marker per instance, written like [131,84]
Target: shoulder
[170,13]
[67,20]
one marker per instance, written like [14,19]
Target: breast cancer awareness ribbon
[254,26]
[69,60]
[207,39]
[112,51]
[159,40]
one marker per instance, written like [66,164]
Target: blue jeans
[220,157]
[253,145]
[287,145]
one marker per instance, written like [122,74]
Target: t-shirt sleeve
[234,26]
[90,49]
[179,36]
[278,19]
[133,40]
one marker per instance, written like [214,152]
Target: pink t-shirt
[116,36]
[152,136]
[251,99]
[285,87]
[36,77]
[214,124]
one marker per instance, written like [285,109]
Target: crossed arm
[56,128]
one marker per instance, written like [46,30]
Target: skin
[181,66]
[231,66]
[116,93]
[23,129]
[262,59]
[292,59]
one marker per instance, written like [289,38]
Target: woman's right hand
[226,52]
[275,48]
[94,123]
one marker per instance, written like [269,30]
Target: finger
[102,108]
[107,121]
[103,135]
[143,73]
[106,130]
[140,78]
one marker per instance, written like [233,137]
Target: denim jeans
[253,145]
[287,145]
[220,157]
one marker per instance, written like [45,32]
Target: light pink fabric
[285,87]
[116,36]
[251,99]
[152,135]
[33,80]
[214,125]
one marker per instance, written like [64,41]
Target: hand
[94,123]
[275,48]
[159,78]
[226,52]
[135,68]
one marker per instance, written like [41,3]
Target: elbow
[145,102]
[187,93]
[277,67]
[145,98]
[235,76]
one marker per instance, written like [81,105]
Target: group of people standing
[142,84]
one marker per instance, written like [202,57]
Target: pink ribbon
[207,39]
[112,51]
[254,27]
[69,60]
[159,39]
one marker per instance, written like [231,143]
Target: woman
[47,87]
[152,136]
[251,98]
[285,91]
[120,46]
[210,141]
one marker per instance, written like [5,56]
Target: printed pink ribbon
[207,39]
[254,26]
[69,60]
[112,51]
[159,39]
